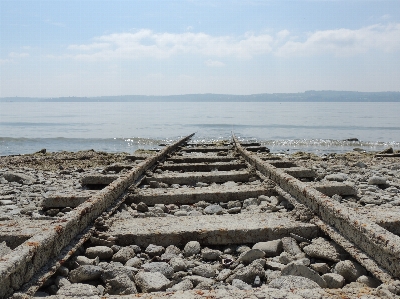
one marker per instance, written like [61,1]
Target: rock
[369,281]
[178,264]
[142,207]
[19,178]
[293,282]
[103,252]
[204,286]
[161,267]
[274,266]
[83,260]
[270,248]
[134,262]
[151,282]
[123,255]
[248,273]
[204,270]
[270,275]
[118,280]
[234,210]
[213,209]
[172,249]
[377,180]
[78,290]
[251,255]
[4,249]
[323,249]
[154,250]
[320,267]
[84,273]
[184,285]
[284,258]
[242,248]
[241,285]
[350,270]
[61,281]
[210,254]
[223,274]
[337,177]
[192,248]
[333,280]
[251,202]
[290,246]
[62,271]
[234,204]
[196,280]
[302,270]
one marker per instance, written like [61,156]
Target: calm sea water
[114,127]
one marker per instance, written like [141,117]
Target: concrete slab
[209,229]
[332,188]
[193,195]
[62,200]
[98,179]
[16,232]
[282,163]
[224,166]
[208,149]
[300,172]
[387,217]
[204,159]
[191,178]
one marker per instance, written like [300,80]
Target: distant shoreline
[308,96]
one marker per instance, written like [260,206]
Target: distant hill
[308,96]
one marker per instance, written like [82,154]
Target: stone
[377,180]
[213,209]
[251,202]
[284,258]
[293,282]
[151,282]
[123,255]
[290,246]
[61,281]
[78,290]
[270,275]
[172,249]
[192,248]
[62,271]
[350,270]
[294,269]
[196,280]
[103,252]
[323,249]
[241,285]
[118,280]
[270,248]
[274,266]
[223,274]
[83,260]
[337,177]
[242,248]
[369,281]
[161,267]
[84,273]
[234,210]
[251,255]
[19,178]
[204,270]
[4,249]
[333,280]
[210,254]
[234,204]
[248,273]
[320,267]
[184,285]
[142,207]
[178,264]
[154,250]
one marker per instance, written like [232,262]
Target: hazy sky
[93,48]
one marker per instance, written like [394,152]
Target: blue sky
[94,48]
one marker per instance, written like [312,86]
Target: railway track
[200,220]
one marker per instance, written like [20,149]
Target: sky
[106,48]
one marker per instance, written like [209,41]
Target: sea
[284,127]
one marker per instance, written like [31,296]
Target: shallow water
[113,127]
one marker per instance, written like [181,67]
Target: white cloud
[146,43]
[18,55]
[214,63]
[346,42]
